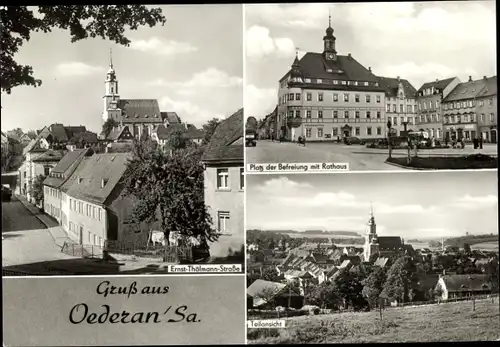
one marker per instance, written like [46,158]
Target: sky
[193,65]
[407,204]
[419,42]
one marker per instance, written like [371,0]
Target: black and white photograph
[122,138]
[373,257]
[379,86]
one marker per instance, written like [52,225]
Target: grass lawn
[473,161]
[433,323]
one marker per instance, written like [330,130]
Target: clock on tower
[330,56]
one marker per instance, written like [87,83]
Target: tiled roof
[92,171]
[49,156]
[490,87]
[58,132]
[189,131]
[391,86]
[319,258]
[382,262]
[389,242]
[66,165]
[85,136]
[140,111]
[225,144]
[460,283]
[171,117]
[466,90]
[329,272]
[259,286]
[314,65]
[345,264]
[438,84]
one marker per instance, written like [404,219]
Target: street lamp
[389,126]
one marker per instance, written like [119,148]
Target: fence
[169,254]
[82,251]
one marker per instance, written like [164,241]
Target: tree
[108,126]
[270,274]
[169,187]
[31,134]
[36,190]
[402,281]
[325,295]
[373,286]
[268,295]
[350,289]
[18,132]
[104,21]
[178,140]
[209,129]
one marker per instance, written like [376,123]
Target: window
[290,113]
[95,239]
[394,108]
[93,212]
[357,131]
[490,101]
[357,114]
[308,132]
[100,214]
[90,236]
[335,97]
[335,114]
[319,81]
[369,131]
[368,98]
[309,96]
[335,82]
[297,113]
[320,114]
[379,131]
[335,131]
[378,99]
[308,114]
[320,96]
[346,97]
[242,178]
[320,132]
[297,96]
[378,115]
[222,176]
[290,96]
[492,117]
[223,221]
[401,108]
[394,121]
[24,174]
[46,171]
[346,114]
[388,107]
[356,98]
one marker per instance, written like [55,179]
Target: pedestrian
[475,141]
[304,141]
[272,137]
[481,142]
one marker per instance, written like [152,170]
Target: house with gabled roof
[486,110]
[457,286]
[267,294]
[225,182]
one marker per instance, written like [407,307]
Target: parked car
[6,193]
[250,138]
[354,141]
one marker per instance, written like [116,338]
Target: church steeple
[111,96]
[295,72]
[329,51]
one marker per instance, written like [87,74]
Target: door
[493,136]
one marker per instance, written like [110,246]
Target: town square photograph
[372,257]
[122,139]
[380,86]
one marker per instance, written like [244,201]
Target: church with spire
[327,96]
[135,118]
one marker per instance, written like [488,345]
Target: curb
[409,168]
[41,220]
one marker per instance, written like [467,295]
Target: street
[359,157]
[25,239]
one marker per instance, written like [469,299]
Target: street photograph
[372,257]
[122,140]
[379,86]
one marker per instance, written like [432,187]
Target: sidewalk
[56,231]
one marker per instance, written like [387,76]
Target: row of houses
[83,190]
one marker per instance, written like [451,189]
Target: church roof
[391,86]
[171,117]
[315,66]
[226,143]
[438,84]
[140,110]
[389,242]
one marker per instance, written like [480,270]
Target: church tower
[371,242]
[295,72]
[329,52]
[111,96]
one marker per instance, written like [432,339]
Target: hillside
[471,240]
[433,323]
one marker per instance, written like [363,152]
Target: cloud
[189,111]
[259,101]
[304,16]
[77,68]
[282,185]
[476,202]
[162,47]
[209,78]
[260,44]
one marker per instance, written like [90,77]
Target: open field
[486,246]
[432,323]
[328,236]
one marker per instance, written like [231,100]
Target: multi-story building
[53,195]
[460,109]
[334,95]
[91,201]
[429,112]
[486,110]
[400,104]
[225,182]
[267,127]
[162,133]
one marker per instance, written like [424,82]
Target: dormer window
[145,116]
[136,115]
[104,181]
[80,180]
[329,70]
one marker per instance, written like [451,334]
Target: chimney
[437,80]
[349,55]
[398,78]
[484,77]
[370,69]
[470,78]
